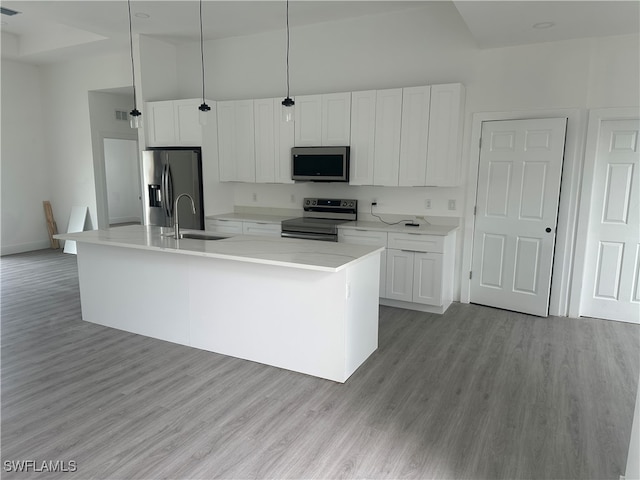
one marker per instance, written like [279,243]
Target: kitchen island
[306,306]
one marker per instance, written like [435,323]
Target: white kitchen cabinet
[446,119]
[323,119]
[220,225]
[236,141]
[420,269]
[273,141]
[261,228]
[414,136]
[173,123]
[387,137]
[368,237]
[363,130]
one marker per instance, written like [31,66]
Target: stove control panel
[330,204]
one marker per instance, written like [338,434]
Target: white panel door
[187,119]
[516,212]
[245,141]
[611,285]
[400,275]
[427,278]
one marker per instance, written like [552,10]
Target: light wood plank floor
[476,393]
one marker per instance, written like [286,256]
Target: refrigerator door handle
[165,190]
[170,191]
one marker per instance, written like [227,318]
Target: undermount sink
[195,236]
[200,236]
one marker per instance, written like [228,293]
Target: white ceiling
[48,31]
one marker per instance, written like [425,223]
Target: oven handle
[310,236]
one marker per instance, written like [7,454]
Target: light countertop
[287,252]
[251,217]
[423,228]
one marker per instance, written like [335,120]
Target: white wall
[66,88]
[26,163]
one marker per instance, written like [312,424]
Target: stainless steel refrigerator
[167,173]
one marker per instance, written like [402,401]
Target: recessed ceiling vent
[8,11]
[122,115]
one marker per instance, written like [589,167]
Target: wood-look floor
[476,393]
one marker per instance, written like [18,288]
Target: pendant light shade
[135,117]
[204,108]
[288,105]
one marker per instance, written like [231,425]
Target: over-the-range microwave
[320,164]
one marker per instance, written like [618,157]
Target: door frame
[596,117]
[567,209]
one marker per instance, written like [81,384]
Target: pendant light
[287,103]
[204,108]
[136,121]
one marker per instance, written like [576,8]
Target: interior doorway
[122,181]
[518,192]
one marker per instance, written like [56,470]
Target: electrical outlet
[427,204]
[452,204]
[255,197]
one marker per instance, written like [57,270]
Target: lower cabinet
[414,277]
[242,227]
[416,270]
[261,228]
[220,225]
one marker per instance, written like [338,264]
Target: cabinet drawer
[261,228]
[416,242]
[224,226]
[362,237]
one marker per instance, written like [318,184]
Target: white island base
[321,323]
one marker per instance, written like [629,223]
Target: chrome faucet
[176,225]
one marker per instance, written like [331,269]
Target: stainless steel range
[320,219]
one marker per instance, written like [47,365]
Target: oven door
[311,236]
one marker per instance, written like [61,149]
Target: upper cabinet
[173,123]
[273,142]
[323,119]
[415,139]
[414,136]
[446,119]
[236,141]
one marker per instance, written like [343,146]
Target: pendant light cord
[202,52]
[287,48]
[133,71]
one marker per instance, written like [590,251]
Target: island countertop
[287,252]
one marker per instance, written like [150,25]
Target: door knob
[548,230]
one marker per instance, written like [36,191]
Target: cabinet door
[427,278]
[400,275]
[336,119]
[265,136]
[414,136]
[261,228]
[363,129]
[244,141]
[187,121]
[160,124]
[387,141]
[226,141]
[445,135]
[284,141]
[308,120]
[219,225]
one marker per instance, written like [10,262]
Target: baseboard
[420,307]
[24,247]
